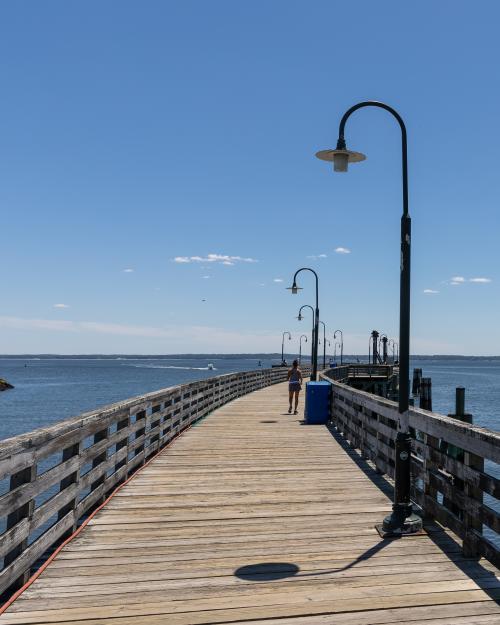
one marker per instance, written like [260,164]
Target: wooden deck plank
[250,516]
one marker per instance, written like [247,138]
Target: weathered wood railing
[55,476]
[356,371]
[448,463]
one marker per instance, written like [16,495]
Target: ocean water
[50,389]
[47,390]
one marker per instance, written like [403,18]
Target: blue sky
[135,133]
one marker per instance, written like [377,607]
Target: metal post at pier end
[374,339]
[384,340]
[324,344]
[402,520]
[300,317]
[392,343]
[283,346]
[295,289]
[341,344]
[300,346]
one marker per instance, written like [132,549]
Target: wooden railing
[356,371]
[449,481]
[54,476]
[339,374]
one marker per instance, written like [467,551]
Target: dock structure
[253,516]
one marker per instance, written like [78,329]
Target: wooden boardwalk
[252,516]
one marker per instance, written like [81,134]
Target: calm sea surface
[48,390]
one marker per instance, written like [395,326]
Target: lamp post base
[401,522]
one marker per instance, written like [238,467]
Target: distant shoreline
[258,356]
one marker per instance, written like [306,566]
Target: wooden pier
[253,516]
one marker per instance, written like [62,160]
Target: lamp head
[294,288]
[300,317]
[340,157]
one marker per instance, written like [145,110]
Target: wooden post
[154,424]
[429,490]
[123,442]
[140,416]
[69,452]
[23,512]
[99,459]
[417,380]
[426,394]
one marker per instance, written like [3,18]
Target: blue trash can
[317,409]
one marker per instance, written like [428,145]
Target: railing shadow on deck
[449,479]
[470,566]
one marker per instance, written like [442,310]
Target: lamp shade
[340,158]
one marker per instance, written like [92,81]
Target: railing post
[471,523]
[123,442]
[25,511]
[99,459]
[69,452]
[141,417]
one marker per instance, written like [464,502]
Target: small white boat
[210,366]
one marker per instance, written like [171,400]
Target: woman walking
[294,385]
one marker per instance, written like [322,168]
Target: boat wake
[210,368]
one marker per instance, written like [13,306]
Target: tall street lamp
[324,344]
[303,336]
[395,350]
[295,289]
[283,346]
[402,520]
[341,344]
[335,351]
[300,317]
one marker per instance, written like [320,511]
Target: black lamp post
[324,344]
[384,340]
[391,345]
[300,317]
[402,520]
[283,346]
[341,344]
[335,351]
[303,336]
[295,289]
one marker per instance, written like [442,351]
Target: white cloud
[278,280]
[214,258]
[342,250]
[205,277]
[430,291]
[457,280]
[317,256]
[60,306]
[128,271]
